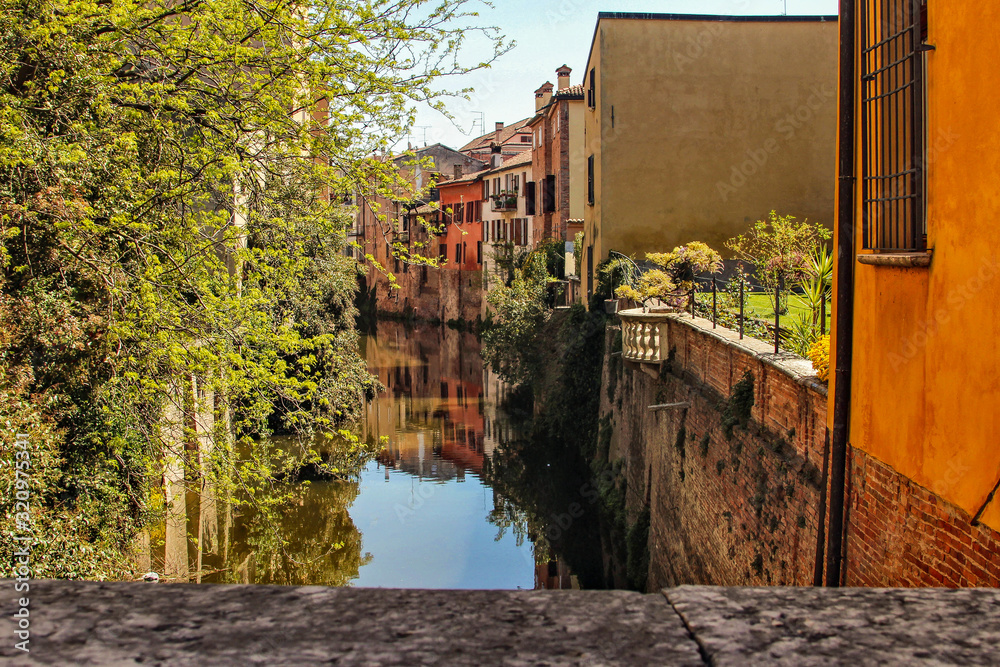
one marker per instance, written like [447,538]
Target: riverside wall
[427,293]
[737,493]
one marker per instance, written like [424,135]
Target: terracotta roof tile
[467,178]
[524,157]
[505,135]
[572,92]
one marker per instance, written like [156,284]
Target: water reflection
[421,514]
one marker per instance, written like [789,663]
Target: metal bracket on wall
[989,499]
[669,406]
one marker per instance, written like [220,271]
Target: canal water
[425,512]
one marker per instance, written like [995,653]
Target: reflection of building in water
[555,575]
[497,427]
[432,411]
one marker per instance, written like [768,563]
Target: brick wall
[749,509]
[446,294]
[901,534]
[729,510]
[552,158]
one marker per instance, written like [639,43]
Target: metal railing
[630,270]
[757,311]
[781,314]
[504,203]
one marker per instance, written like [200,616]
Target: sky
[550,33]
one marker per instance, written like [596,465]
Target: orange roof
[506,134]
[524,157]
[467,178]
[573,91]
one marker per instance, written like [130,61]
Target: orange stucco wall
[926,371]
[467,233]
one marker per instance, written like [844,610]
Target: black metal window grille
[892,125]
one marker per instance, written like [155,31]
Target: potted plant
[613,272]
[504,199]
[671,284]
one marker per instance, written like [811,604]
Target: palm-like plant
[817,284]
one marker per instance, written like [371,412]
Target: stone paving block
[852,626]
[90,623]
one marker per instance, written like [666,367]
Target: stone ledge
[92,623]
[899,260]
[850,626]
[792,365]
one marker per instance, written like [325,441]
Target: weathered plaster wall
[428,293]
[703,127]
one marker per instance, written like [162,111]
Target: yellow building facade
[697,126]
[925,389]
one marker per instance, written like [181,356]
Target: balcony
[644,336]
[503,202]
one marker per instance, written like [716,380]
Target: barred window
[892,124]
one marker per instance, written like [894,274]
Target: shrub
[781,248]
[819,354]
[509,343]
[675,280]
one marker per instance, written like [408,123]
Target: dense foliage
[172,261]
[519,310]
[673,281]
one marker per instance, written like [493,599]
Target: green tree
[779,249]
[170,174]
[509,342]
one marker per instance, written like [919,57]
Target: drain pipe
[845,296]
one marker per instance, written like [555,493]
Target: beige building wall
[703,126]
[490,217]
[577,161]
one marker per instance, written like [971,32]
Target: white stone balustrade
[644,335]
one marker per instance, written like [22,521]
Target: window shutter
[549,194]
[529,197]
[590,180]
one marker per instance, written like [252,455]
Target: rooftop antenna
[424,128]
[785,10]
[481,121]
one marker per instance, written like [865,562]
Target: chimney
[563,74]
[543,95]
[499,129]
[496,160]
[458,171]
